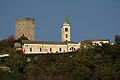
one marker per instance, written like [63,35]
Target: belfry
[65,30]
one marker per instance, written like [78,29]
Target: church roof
[47,42]
[66,20]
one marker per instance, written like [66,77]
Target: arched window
[72,48]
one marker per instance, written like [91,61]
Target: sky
[89,19]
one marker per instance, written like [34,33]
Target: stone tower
[24,27]
[65,30]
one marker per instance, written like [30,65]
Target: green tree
[6,44]
[82,73]
[21,38]
[85,55]
[16,62]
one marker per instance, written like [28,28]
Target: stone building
[24,27]
[98,41]
[38,47]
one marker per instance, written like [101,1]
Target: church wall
[75,46]
[45,48]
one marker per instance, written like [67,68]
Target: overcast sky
[89,19]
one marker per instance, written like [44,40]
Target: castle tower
[24,27]
[65,30]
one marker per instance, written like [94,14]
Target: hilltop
[88,63]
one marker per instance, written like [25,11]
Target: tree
[82,73]
[21,38]
[85,55]
[7,44]
[16,62]
[84,61]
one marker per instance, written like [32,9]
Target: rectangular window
[30,49]
[40,49]
[66,36]
[66,29]
[60,49]
[50,49]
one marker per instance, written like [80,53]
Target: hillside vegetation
[88,63]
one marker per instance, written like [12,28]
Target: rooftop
[97,40]
[47,42]
[26,18]
[66,20]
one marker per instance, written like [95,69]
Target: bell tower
[65,29]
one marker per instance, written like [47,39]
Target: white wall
[46,48]
[99,42]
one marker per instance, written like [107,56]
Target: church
[25,26]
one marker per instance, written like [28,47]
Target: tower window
[30,49]
[50,49]
[66,29]
[40,49]
[66,36]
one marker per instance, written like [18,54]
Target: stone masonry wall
[24,26]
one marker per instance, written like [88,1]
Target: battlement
[25,18]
